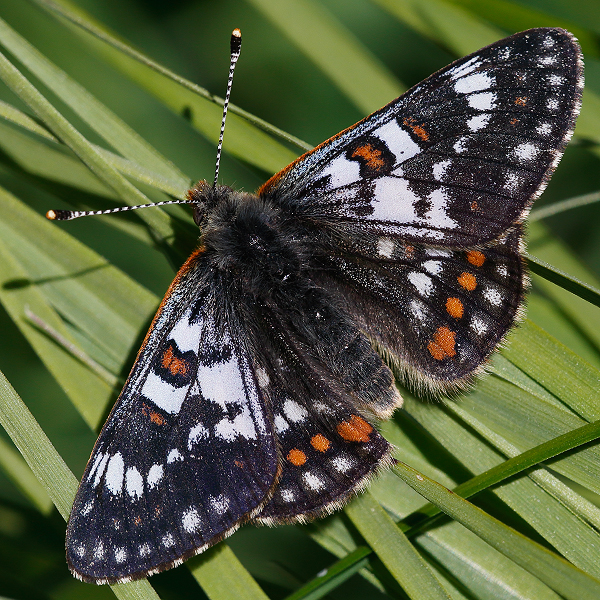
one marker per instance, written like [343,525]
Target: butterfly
[255,394]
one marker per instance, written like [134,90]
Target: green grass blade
[82,148]
[246,137]
[341,56]
[93,112]
[222,576]
[556,572]
[393,548]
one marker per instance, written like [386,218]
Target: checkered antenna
[68,215]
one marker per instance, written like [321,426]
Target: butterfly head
[246,237]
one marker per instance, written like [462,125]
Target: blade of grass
[246,137]
[556,572]
[93,112]
[557,208]
[393,548]
[82,148]
[223,576]
[341,56]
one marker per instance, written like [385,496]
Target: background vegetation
[311,68]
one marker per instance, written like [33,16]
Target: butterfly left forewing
[188,452]
[458,159]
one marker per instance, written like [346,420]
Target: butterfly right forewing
[458,159]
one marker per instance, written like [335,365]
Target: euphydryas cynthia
[252,396]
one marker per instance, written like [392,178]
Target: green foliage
[91,120]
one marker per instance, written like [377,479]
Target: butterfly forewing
[188,452]
[458,159]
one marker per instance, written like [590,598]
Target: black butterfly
[253,394]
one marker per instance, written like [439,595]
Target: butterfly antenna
[236,47]
[67,215]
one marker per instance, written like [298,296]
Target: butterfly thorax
[247,237]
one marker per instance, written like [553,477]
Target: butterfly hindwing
[436,314]
[188,452]
[459,158]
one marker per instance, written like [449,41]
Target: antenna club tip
[59,215]
[236,41]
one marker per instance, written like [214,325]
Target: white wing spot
[281,425]
[312,481]
[552,104]
[134,483]
[144,550]
[100,469]
[114,473]
[398,141]
[546,61]
[262,378]
[80,550]
[168,540]
[385,247]
[460,145]
[512,182]
[493,296]
[468,67]
[190,520]
[120,555]
[555,79]
[433,266]
[482,101]
[526,151]
[502,271]
[220,504]
[155,474]
[342,463]
[197,432]
[479,326]
[287,495]
[478,122]
[422,282]
[474,82]
[99,551]
[439,169]
[544,129]
[417,309]
[294,412]
[87,508]
[174,455]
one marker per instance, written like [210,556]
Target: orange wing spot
[514,121]
[467,281]
[296,457]
[476,258]
[455,308]
[177,366]
[409,251]
[418,130]
[371,155]
[474,205]
[320,442]
[443,344]
[155,417]
[521,100]
[238,463]
[355,430]
[138,520]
